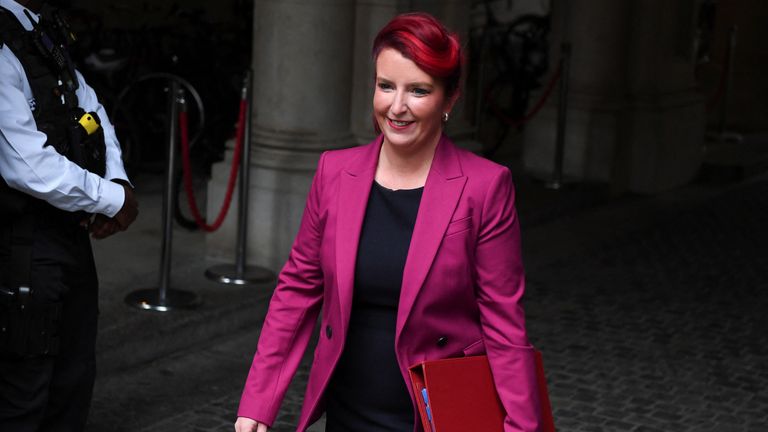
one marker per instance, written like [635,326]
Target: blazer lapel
[442,191]
[354,190]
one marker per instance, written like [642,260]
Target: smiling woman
[408,250]
[409,106]
[418,67]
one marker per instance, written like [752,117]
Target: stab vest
[56,109]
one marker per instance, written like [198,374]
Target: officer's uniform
[48,284]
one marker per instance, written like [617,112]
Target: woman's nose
[399,105]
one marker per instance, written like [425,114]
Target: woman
[410,246]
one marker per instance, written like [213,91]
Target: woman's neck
[404,168]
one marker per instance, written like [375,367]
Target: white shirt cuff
[112,198]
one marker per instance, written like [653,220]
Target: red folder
[462,397]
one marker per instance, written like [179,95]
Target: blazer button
[328,332]
[442,341]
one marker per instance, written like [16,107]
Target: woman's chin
[400,141]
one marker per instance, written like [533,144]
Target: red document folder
[462,396]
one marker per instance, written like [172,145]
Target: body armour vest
[56,110]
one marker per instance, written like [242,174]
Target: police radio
[55,51]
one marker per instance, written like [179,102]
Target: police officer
[61,178]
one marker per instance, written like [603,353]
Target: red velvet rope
[184,132]
[532,113]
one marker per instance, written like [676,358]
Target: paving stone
[646,429]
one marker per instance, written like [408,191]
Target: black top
[367,391]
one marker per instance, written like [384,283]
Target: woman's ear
[451,101]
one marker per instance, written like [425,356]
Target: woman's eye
[385,86]
[418,91]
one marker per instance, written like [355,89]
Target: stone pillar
[662,143]
[370,17]
[634,119]
[302,52]
[597,30]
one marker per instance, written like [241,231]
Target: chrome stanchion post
[562,114]
[163,298]
[240,273]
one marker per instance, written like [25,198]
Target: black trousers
[42,393]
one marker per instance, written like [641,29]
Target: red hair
[422,39]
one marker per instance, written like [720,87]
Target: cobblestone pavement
[662,328]
[656,326]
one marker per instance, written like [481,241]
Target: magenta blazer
[462,283]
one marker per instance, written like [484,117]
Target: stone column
[662,143]
[634,119]
[597,30]
[371,16]
[302,52]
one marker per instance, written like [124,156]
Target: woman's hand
[244,424]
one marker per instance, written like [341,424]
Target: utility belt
[12,202]
[28,327]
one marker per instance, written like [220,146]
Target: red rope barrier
[532,113]
[184,132]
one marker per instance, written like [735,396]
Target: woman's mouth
[398,124]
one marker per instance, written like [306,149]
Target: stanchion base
[228,274]
[149,299]
[554,185]
[563,183]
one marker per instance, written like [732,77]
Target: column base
[590,140]
[666,140]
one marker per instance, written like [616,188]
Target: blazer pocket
[459,225]
[475,348]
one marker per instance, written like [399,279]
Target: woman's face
[408,103]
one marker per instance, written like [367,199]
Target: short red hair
[422,39]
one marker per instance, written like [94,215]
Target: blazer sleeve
[291,316]
[500,284]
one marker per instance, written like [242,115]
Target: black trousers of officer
[52,393]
